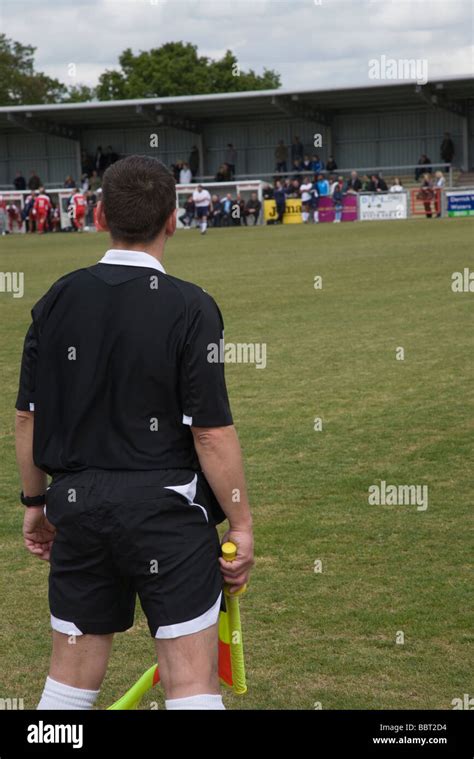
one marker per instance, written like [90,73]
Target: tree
[19,82]
[176,69]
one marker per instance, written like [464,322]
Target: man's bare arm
[220,457]
[38,533]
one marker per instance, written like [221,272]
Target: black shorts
[119,534]
[202,211]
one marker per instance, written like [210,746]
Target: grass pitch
[313,638]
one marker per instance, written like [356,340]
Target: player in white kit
[306,198]
[202,201]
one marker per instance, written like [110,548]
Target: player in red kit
[41,209]
[79,205]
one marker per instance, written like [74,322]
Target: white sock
[316,216]
[202,701]
[305,216]
[60,696]
[204,226]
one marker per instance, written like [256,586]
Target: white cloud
[309,44]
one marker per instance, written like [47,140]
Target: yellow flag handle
[229,553]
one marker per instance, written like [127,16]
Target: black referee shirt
[115,366]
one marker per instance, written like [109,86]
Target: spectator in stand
[94,181]
[110,156]
[297,150]
[84,183]
[377,184]
[176,169]
[281,158]
[252,208]
[19,183]
[193,161]
[396,186]
[426,194]
[365,183]
[297,168]
[69,182]
[226,209]
[317,166]
[338,199]
[99,161]
[447,149]
[279,196]
[87,162]
[223,173]
[34,182]
[294,188]
[216,211]
[354,184]
[322,186]
[307,164]
[331,164]
[187,217]
[230,158]
[422,161]
[332,183]
[440,182]
[185,175]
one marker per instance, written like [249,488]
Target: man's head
[199,187]
[138,199]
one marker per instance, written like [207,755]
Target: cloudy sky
[311,43]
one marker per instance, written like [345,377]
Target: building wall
[53,158]
[358,141]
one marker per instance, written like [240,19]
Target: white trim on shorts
[197,624]
[62,626]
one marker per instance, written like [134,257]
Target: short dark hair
[138,196]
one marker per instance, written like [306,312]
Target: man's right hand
[236,573]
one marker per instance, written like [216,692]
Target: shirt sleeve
[204,398]
[26,392]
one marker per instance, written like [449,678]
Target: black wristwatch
[33,500]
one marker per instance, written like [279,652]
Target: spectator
[279,196]
[331,165]
[281,157]
[294,188]
[99,162]
[307,164]
[230,158]
[426,194]
[19,183]
[193,161]
[447,149]
[396,186]
[297,168]
[422,161]
[297,150]
[110,156]
[322,186]
[69,182]
[223,173]
[377,184]
[84,183]
[91,200]
[187,217]
[34,182]
[354,184]
[316,164]
[226,209]
[87,162]
[338,199]
[440,181]
[252,208]
[176,169]
[216,211]
[94,181]
[185,175]
[332,183]
[365,183]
